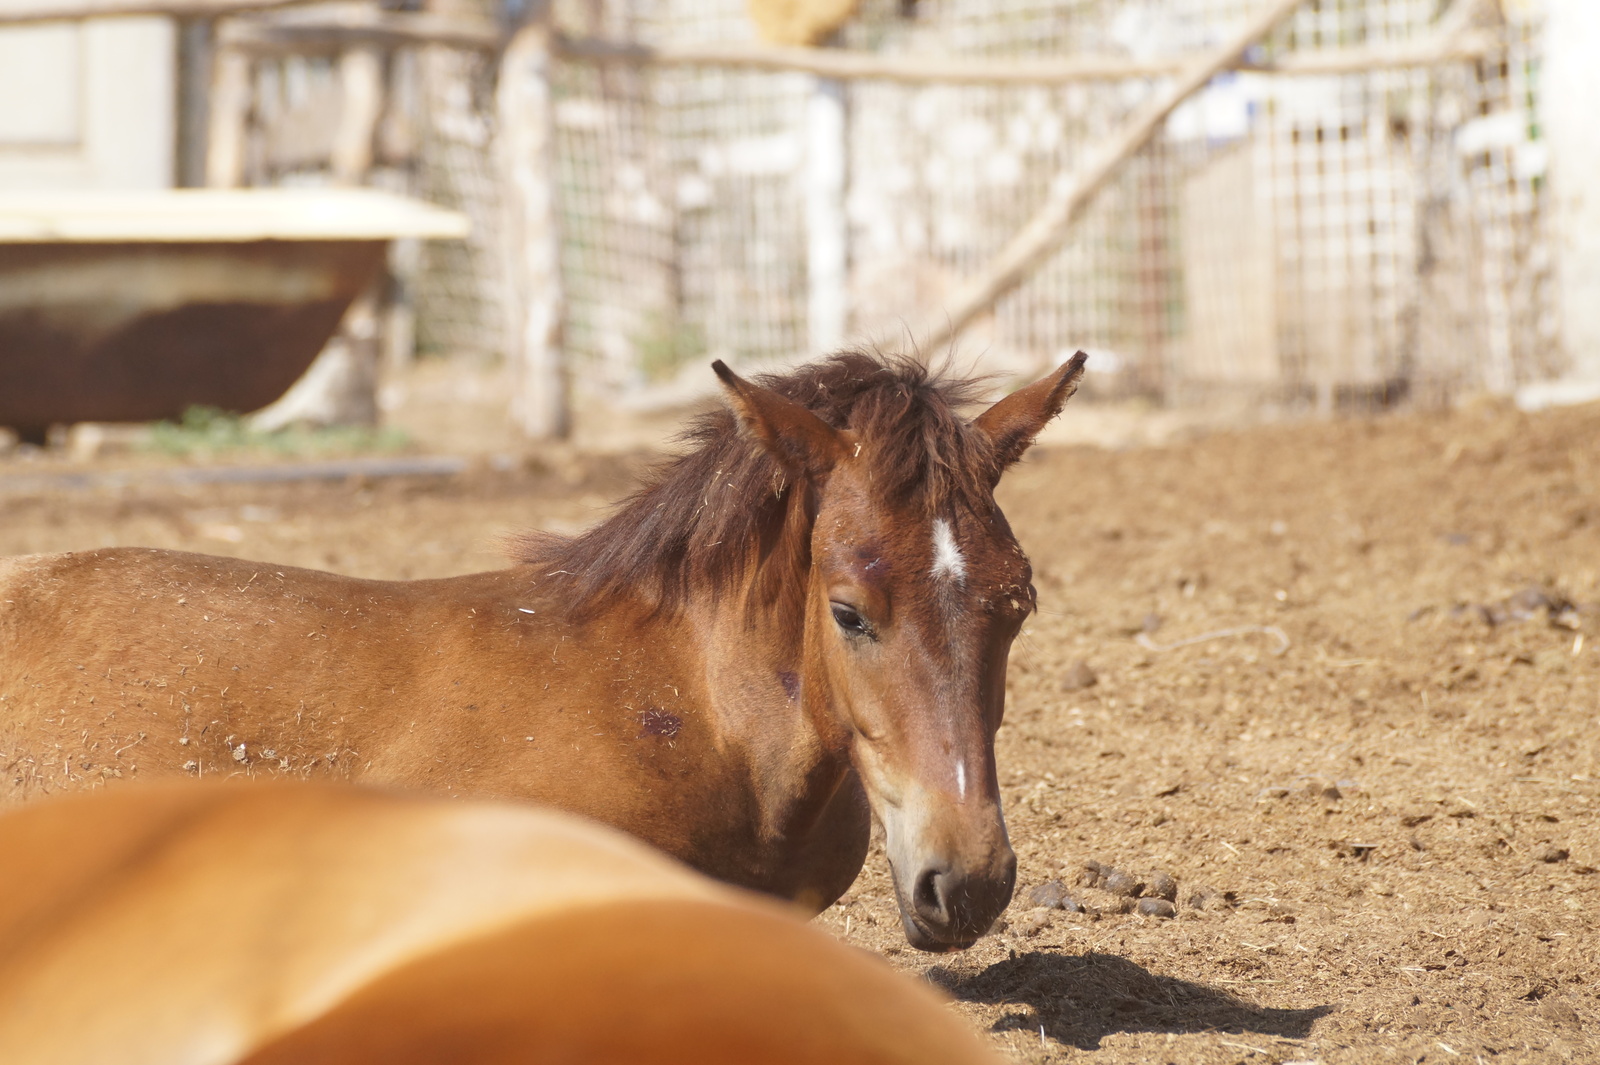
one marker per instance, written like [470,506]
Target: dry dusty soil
[1333,688]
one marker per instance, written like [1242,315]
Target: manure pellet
[1050,894]
[1161,886]
[1157,908]
[1094,874]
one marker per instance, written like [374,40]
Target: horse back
[133,660]
[139,663]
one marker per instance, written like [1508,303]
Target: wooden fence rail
[957,70]
[22,12]
[319,32]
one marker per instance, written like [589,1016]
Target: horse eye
[850,620]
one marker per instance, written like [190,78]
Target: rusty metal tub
[135,306]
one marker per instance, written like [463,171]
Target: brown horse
[302,924]
[808,612]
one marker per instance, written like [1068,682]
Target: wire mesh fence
[1335,241]
[458,285]
[1338,241]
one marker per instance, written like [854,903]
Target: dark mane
[706,517]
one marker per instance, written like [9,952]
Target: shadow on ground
[1079,999]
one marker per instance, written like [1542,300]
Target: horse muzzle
[946,906]
[952,863]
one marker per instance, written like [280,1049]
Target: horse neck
[771,704]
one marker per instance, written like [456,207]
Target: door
[86,105]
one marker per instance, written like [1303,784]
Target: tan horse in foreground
[808,612]
[302,924]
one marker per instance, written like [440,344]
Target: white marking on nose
[947,560]
[961,781]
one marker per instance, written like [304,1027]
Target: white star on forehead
[947,560]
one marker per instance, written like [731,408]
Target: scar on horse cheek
[869,563]
[791,683]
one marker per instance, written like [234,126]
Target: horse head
[916,589]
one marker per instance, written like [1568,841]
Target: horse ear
[797,438]
[1012,424]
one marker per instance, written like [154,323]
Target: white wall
[88,105]
[1570,105]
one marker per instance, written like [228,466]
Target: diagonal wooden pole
[1036,241]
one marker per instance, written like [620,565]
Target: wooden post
[230,108]
[360,101]
[827,240]
[535,304]
[1043,233]
[349,388]
[196,51]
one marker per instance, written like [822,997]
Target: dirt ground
[1374,791]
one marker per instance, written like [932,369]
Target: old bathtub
[135,306]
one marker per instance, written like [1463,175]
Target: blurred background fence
[1355,217]
[1355,238]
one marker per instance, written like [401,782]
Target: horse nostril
[928,896]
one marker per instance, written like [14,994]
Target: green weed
[206,431]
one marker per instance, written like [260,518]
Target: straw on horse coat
[807,613]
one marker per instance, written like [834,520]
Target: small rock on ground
[1078,676]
